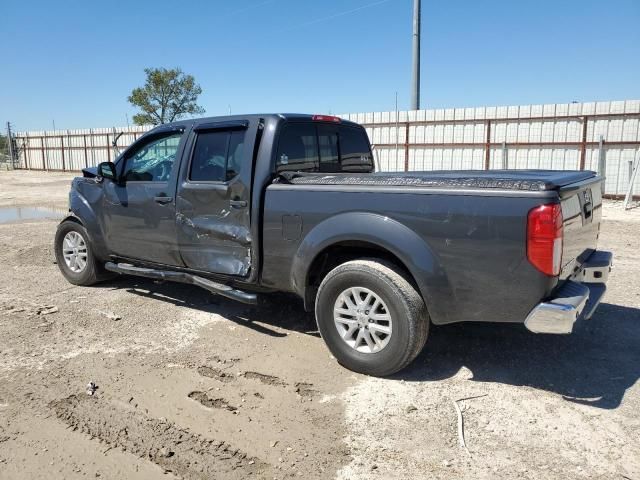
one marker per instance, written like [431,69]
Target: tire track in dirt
[174,449]
[217,373]
[206,401]
[303,389]
[265,379]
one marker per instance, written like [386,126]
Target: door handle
[238,203]
[163,200]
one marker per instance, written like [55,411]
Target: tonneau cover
[531,180]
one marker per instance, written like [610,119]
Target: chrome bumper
[577,298]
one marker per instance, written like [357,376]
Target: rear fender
[387,234]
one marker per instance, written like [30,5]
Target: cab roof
[280,116]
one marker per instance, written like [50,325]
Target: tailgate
[581,211]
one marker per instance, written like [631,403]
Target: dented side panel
[212,236]
[213,219]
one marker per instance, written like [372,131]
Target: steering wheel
[163,170]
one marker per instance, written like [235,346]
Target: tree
[166,96]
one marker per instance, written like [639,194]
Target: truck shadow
[276,312]
[593,366]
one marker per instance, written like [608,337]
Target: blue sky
[75,62]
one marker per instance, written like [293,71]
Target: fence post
[26,145]
[86,158]
[44,165]
[62,152]
[602,163]
[583,145]
[505,156]
[406,148]
[635,166]
[93,146]
[487,147]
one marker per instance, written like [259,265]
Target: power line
[339,14]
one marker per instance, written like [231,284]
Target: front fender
[388,234]
[82,210]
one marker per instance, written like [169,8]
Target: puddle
[18,214]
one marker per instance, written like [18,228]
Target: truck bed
[477,239]
[527,180]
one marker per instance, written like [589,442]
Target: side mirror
[107,170]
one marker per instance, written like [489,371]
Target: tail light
[326,118]
[544,238]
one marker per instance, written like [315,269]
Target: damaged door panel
[212,211]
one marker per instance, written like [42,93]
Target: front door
[213,208]
[140,209]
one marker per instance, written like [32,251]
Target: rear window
[309,147]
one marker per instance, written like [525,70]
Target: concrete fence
[599,136]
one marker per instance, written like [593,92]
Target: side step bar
[182,277]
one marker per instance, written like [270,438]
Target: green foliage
[3,144]
[167,95]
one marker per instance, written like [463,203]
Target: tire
[398,300]
[92,271]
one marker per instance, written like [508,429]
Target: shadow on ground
[594,366]
[275,310]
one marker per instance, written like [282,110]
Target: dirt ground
[194,386]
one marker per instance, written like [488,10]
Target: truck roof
[253,116]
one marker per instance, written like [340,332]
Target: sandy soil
[195,386]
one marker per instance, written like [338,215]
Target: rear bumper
[577,298]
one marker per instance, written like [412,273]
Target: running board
[183,277]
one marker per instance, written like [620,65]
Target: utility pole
[10,144]
[415,90]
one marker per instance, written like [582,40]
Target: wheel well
[340,253]
[72,218]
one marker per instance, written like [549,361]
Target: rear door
[214,198]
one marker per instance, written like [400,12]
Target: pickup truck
[247,205]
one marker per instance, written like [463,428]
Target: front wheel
[74,254]
[371,318]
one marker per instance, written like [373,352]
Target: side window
[297,148]
[154,161]
[355,154]
[217,156]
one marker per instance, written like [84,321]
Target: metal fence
[72,150]
[599,136]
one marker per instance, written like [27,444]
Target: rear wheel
[371,317]
[74,255]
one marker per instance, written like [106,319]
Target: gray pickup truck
[246,205]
